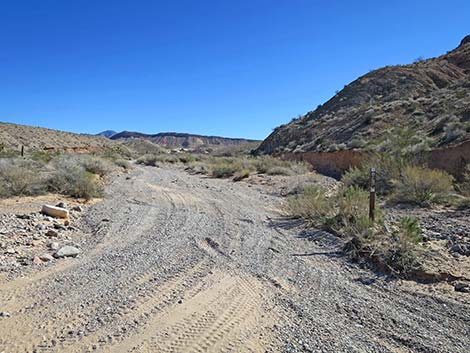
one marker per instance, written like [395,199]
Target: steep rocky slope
[173,139]
[431,97]
[15,136]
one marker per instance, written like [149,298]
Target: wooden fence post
[372,195]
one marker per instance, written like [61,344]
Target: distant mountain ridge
[429,97]
[182,140]
[107,133]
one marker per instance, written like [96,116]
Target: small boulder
[37,260]
[55,211]
[54,246]
[4,314]
[52,233]
[62,205]
[46,257]
[77,208]
[462,287]
[67,251]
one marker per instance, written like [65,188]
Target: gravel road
[178,263]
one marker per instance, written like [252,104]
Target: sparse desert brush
[388,169]
[187,158]
[148,159]
[124,164]
[94,164]
[20,177]
[422,186]
[346,215]
[198,168]
[72,179]
[279,170]
[311,205]
[224,169]
[241,174]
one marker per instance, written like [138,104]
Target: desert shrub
[68,175]
[420,185]
[464,186]
[186,158]
[311,205]
[346,215]
[148,159]
[223,169]
[388,169]
[241,174]
[71,179]
[94,165]
[124,164]
[43,156]
[278,170]
[198,168]
[20,177]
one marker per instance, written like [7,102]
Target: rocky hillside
[176,140]
[15,136]
[429,97]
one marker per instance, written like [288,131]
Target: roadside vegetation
[225,164]
[39,172]
[393,248]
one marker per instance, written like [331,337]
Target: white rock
[67,251]
[55,211]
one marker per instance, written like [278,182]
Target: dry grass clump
[346,215]
[20,177]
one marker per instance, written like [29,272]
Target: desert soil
[173,262]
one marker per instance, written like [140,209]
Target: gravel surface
[178,263]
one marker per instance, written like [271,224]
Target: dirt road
[181,263]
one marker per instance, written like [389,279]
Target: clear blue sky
[231,68]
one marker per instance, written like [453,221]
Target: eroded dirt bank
[181,263]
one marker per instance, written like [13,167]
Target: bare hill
[15,136]
[430,97]
[175,140]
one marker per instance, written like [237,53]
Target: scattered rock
[52,233]
[62,205]
[10,251]
[4,314]
[54,211]
[46,257]
[40,226]
[59,226]
[66,223]
[77,208]
[37,260]
[67,251]
[462,287]
[54,246]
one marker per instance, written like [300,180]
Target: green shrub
[20,177]
[420,185]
